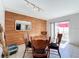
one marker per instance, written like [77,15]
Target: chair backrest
[39,44]
[59,37]
[26,38]
[38,47]
[48,41]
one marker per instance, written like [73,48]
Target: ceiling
[51,8]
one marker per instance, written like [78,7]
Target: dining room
[39,29]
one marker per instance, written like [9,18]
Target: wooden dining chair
[56,44]
[27,42]
[40,48]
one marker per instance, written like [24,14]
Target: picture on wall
[23,25]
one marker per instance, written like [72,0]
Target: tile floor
[67,51]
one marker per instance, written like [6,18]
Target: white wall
[48,27]
[2,13]
[73,27]
[2,18]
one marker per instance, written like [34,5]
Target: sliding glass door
[61,27]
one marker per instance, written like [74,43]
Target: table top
[41,38]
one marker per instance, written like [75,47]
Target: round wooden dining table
[40,38]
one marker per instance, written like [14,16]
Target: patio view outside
[61,27]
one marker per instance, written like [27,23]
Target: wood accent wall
[13,36]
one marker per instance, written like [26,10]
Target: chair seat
[39,51]
[29,44]
[53,46]
[39,56]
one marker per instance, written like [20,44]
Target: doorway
[61,27]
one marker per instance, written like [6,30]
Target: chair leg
[59,53]
[24,53]
[48,53]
